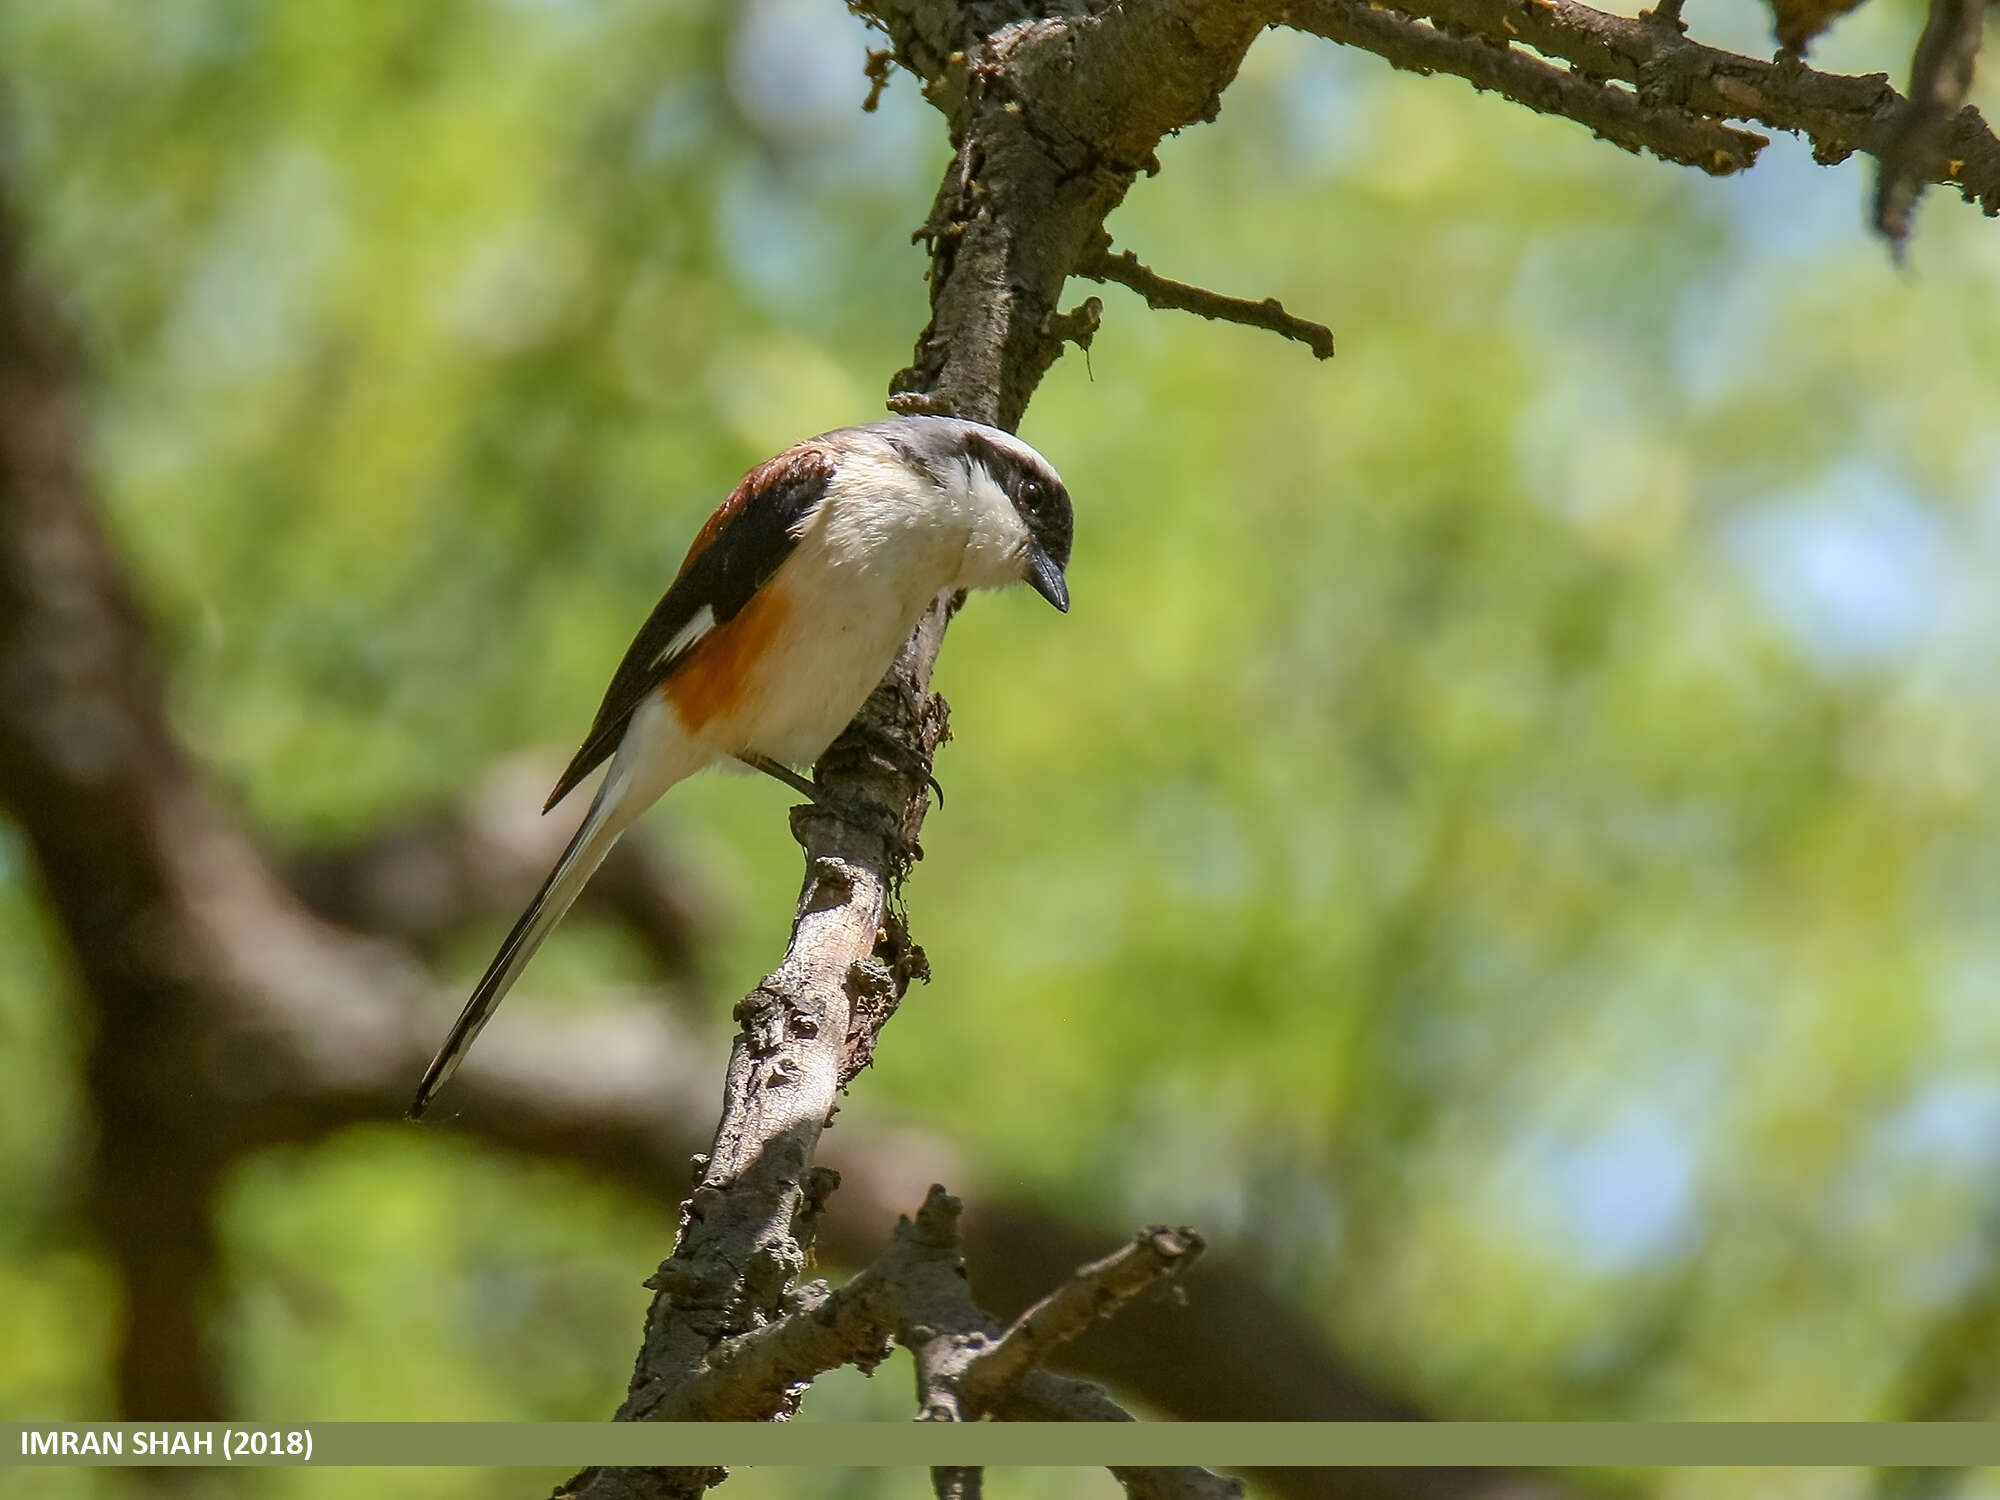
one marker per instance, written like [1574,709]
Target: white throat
[916,536]
[996,538]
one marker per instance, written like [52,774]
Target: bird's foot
[897,756]
[779,771]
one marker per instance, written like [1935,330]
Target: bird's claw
[901,758]
[885,747]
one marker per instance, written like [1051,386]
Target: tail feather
[586,851]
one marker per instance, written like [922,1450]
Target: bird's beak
[1047,579]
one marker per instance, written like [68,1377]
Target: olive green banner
[856,1444]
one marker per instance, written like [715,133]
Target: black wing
[732,556]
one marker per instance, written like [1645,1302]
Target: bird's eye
[1031,494]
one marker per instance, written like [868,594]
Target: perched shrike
[789,608]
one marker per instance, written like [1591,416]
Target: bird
[789,608]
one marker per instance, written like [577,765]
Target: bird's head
[1021,522]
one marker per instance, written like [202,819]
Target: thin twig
[938,1322]
[1940,76]
[1667,13]
[1099,264]
[1615,113]
[951,1337]
[1096,1291]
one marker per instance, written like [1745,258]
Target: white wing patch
[685,638]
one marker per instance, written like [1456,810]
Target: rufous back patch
[801,465]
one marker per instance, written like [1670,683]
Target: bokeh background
[1505,842]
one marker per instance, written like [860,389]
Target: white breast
[872,556]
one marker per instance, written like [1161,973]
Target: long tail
[586,851]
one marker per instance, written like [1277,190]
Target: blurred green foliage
[1506,840]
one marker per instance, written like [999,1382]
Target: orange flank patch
[709,684]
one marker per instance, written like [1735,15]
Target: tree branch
[1099,264]
[1094,1292]
[1940,77]
[1837,113]
[1613,113]
[916,1291]
[945,1331]
[966,1368]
